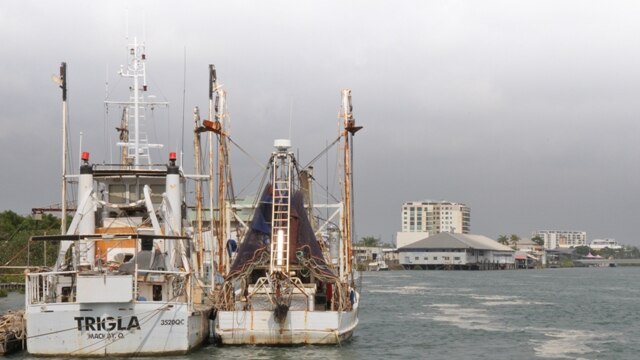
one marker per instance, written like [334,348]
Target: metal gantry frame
[281,211]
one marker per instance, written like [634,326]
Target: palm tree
[503,239]
[369,241]
[513,239]
[538,240]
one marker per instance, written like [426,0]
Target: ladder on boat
[281,212]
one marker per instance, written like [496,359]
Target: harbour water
[579,313]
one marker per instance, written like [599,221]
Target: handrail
[51,273]
[163,272]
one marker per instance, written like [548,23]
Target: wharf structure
[450,251]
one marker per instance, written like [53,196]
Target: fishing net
[304,248]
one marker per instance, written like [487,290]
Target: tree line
[16,248]
[513,239]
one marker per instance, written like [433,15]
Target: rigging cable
[246,153]
[322,153]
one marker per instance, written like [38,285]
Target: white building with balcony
[599,244]
[421,219]
[562,239]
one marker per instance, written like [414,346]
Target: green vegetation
[566,262]
[538,240]
[628,252]
[582,250]
[17,250]
[371,241]
[512,240]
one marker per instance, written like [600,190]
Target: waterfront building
[528,246]
[405,238]
[457,251]
[365,254]
[373,253]
[562,239]
[599,244]
[435,217]
[421,219]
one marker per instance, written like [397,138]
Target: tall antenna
[126,24]
[144,28]
[290,116]
[136,143]
[106,114]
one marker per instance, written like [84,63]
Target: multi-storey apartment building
[554,239]
[434,217]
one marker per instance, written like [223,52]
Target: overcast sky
[526,111]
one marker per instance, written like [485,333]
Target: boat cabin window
[117,193]
[127,193]
[134,193]
[65,296]
[146,244]
[157,292]
[156,193]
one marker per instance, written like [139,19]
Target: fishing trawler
[292,280]
[130,277]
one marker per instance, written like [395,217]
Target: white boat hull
[299,328]
[127,329]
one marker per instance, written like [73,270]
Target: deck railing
[41,288]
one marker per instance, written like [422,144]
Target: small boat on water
[293,279]
[130,277]
[382,266]
[379,265]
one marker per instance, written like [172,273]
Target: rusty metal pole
[196,143]
[63,86]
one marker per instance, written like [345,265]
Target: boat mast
[212,88]
[216,124]
[198,160]
[137,146]
[62,81]
[350,129]
[223,181]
